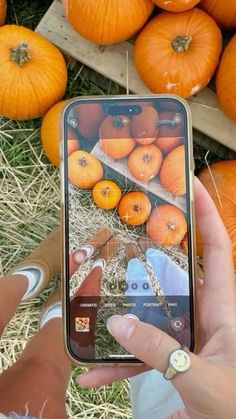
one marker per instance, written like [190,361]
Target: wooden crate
[153,186]
[111,62]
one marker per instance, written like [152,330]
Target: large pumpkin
[144,162]
[176,5]
[224,196]
[88,117]
[33,73]
[178,52]
[115,137]
[3,11]
[51,134]
[134,208]
[107,21]
[166,225]
[84,170]
[226,79]
[223,11]
[172,174]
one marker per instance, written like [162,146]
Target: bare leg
[37,382]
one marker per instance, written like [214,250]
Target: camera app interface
[127,212]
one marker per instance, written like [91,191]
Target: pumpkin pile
[177,50]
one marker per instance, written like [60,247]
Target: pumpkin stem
[171,122]
[146,157]
[83,161]
[181,43]
[171,226]
[20,54]
[105,191]
[117,121]
[136,207]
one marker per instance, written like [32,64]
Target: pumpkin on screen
[107,21]
[226,79]
[170,135]
[166,225]
[3,11]
[223,11]
[172,173]
[223,195]
[51,134]
[134,208]
[144,162]
[115,137]
[33,73]
[144,127]
[84,170]
[88,118]
[176,5]
[106,194]
[187,48]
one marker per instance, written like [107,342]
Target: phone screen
[127,221]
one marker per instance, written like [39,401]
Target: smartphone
[128,225]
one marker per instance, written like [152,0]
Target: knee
[41,366]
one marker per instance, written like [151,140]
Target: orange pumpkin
[224,196]
[106,194]
[144,162]
[115,137]
[172,174]
[33,73]
[84,170]
[134,208]
[107,21]
[3,11]
[166,225]
[88,118]
[144,126]
[226,79]
[176,5]
[184,243]
[51,134]
[170,134]
[187,48]
[224,12]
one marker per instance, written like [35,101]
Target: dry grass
[29,209]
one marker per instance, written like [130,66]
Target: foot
[109,250]
[131,252]
[52,308]
[46,259]
[94,244]
[145,243]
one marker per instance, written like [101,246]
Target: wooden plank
[153,186]
[111,62]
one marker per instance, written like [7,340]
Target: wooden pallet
[111,62]
[153,186]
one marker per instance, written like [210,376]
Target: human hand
[208,387]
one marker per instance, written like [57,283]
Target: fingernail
[79,256]
[121,327]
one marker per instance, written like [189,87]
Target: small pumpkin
[84,170]
[170,135]
[144,162]
[222,191]
[33,73]
[187,48]
[88,118]
[224,12]
[144,127]
[51,134]
[166,225]
[3,11]
[115,137]
[172,173]
[134,208]
[226,79]
[107,21]
[106,194]
[176,5]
